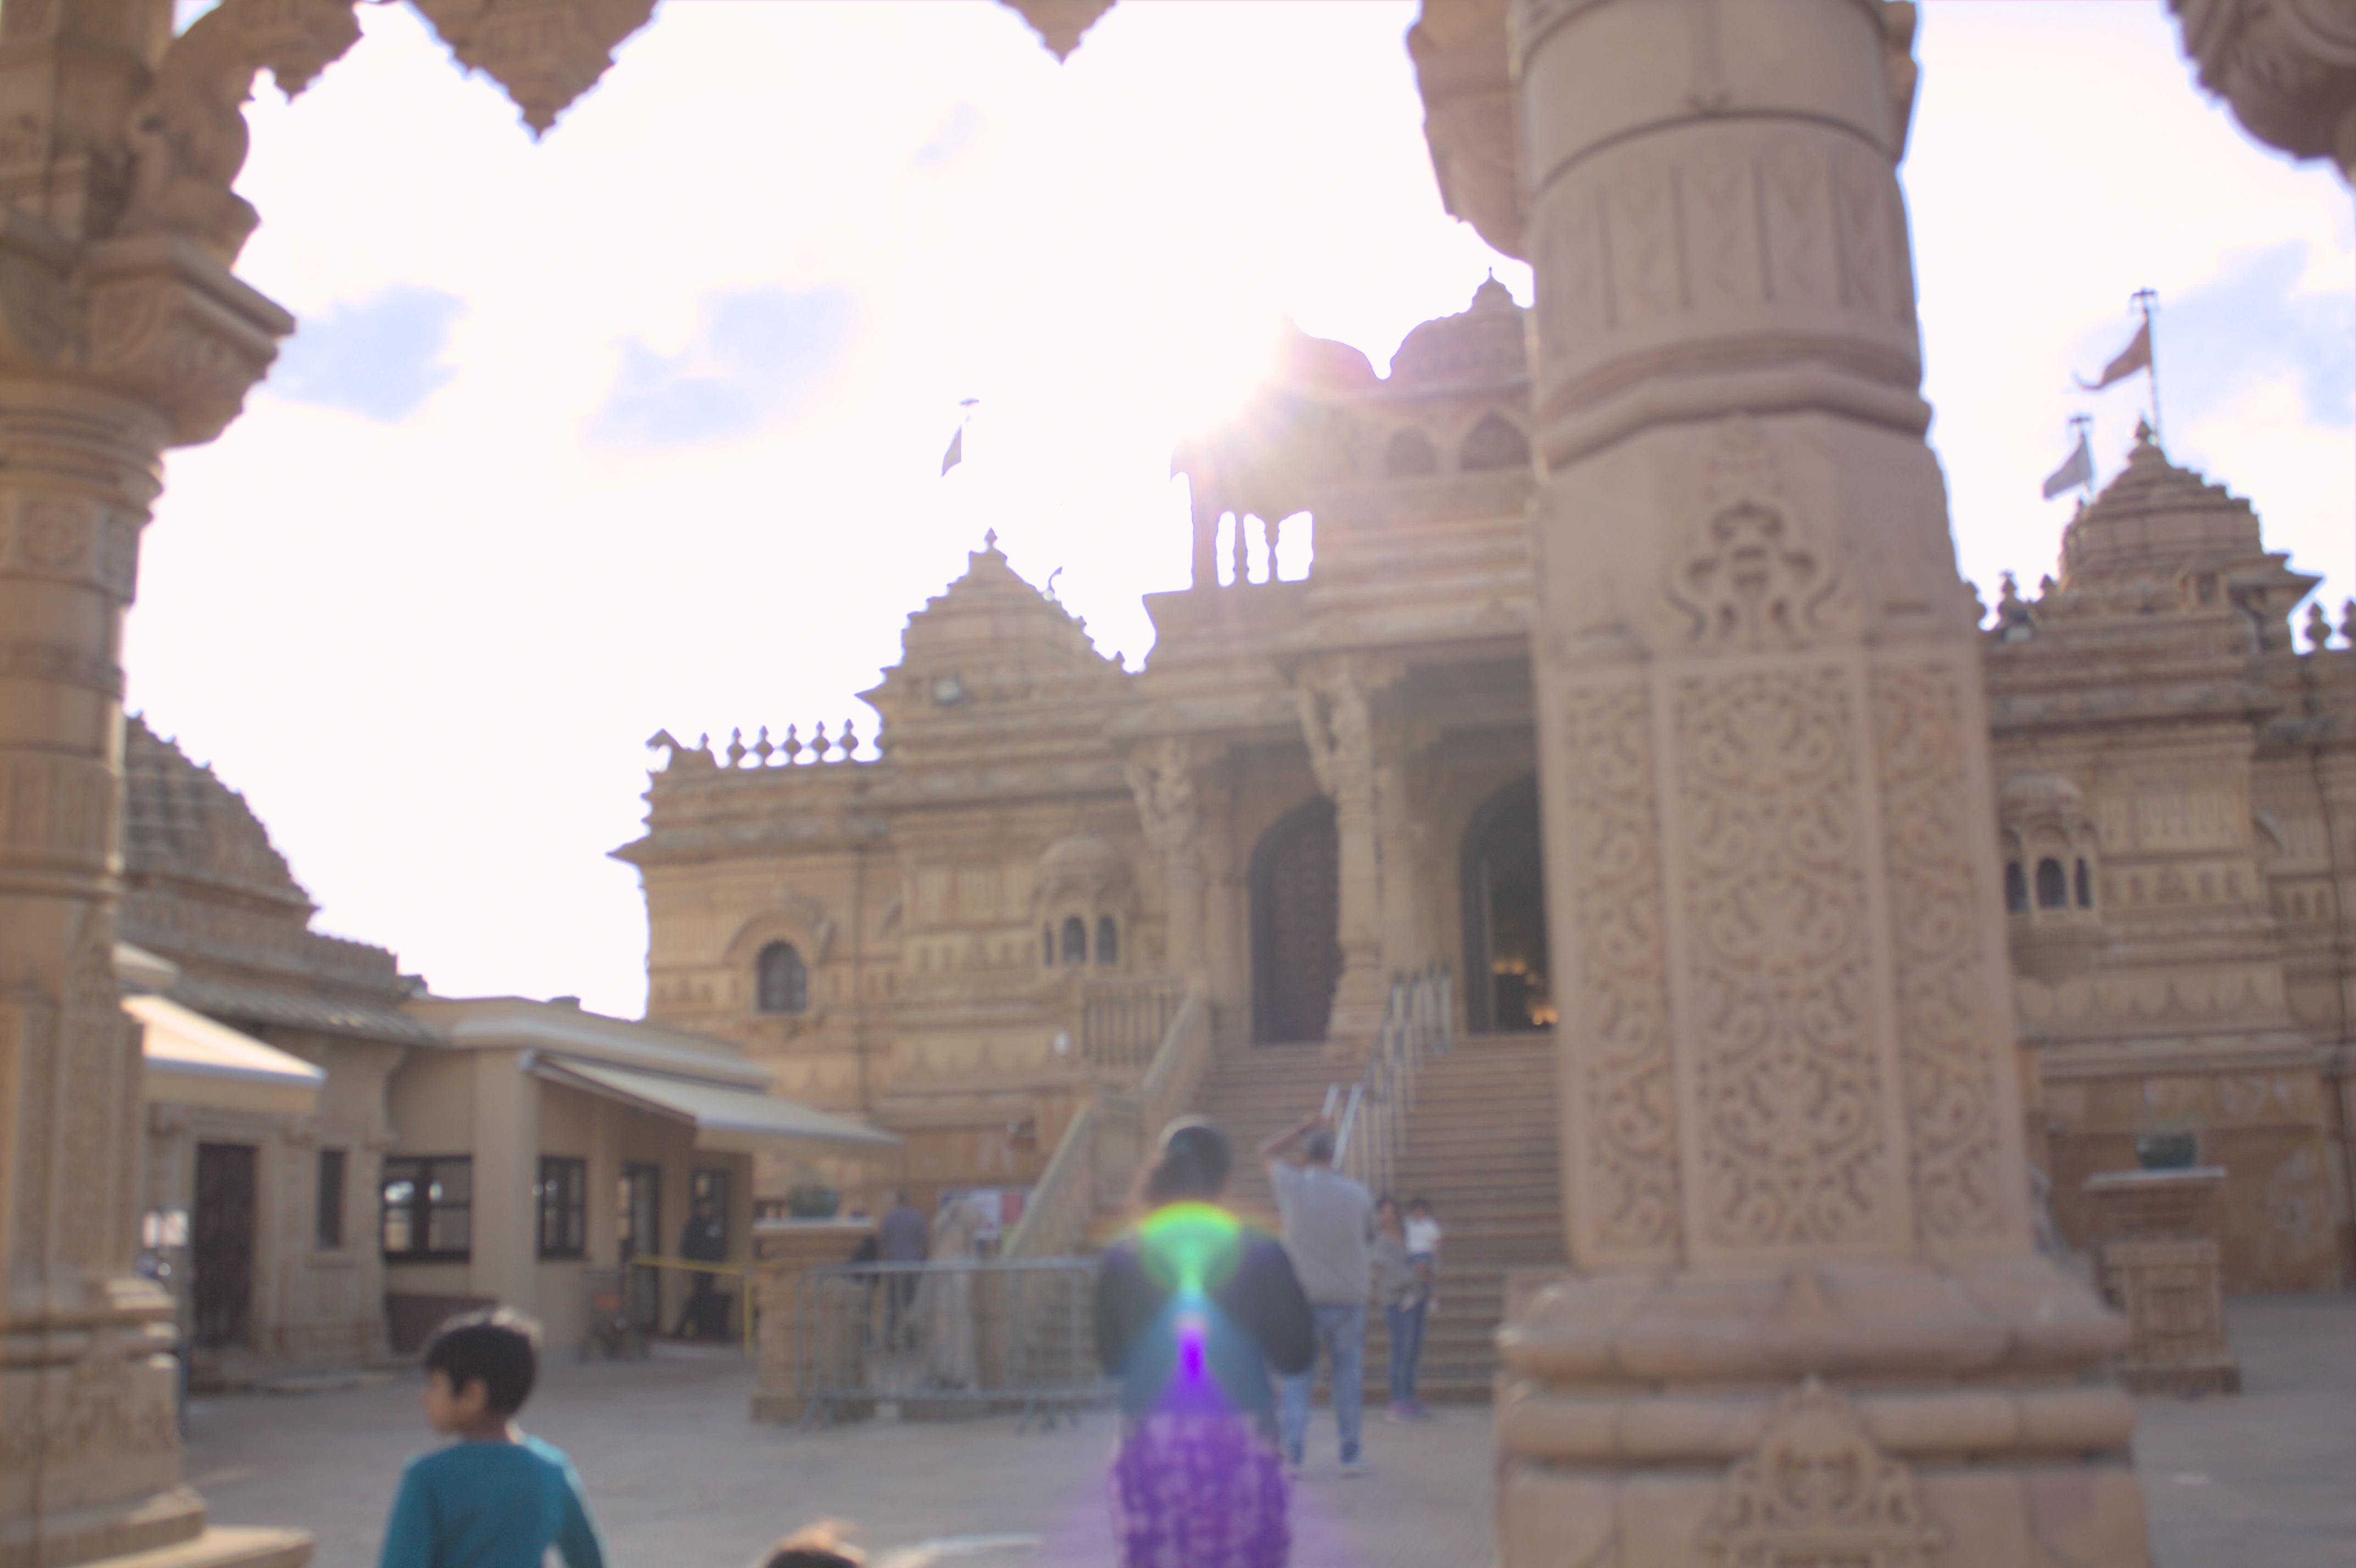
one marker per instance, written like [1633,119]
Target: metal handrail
[1418,1023]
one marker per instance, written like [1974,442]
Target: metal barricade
[997,1334]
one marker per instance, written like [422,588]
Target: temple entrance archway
[1507,986]
[1296,907]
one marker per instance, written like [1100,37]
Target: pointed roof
[181,823]
[991,615]
[2156,516]
[1482,344]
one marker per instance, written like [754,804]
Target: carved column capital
[2287,67]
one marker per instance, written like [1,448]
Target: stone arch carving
[1409,455]
[1494,442]
[1503,904]
[1085,886]
[796,918]
[1295,924]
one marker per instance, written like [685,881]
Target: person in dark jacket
[705,1240]
[1194,1308]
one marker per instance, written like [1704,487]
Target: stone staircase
[1481,1144]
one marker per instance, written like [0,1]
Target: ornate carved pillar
[2287,67]
[1339,731]
[1162,776]
[122,333]
[1804,1320]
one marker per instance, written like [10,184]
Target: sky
[639,426]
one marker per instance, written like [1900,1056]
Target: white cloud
[430,652]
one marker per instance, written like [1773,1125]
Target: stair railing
[1418,1023]
[1101,1150]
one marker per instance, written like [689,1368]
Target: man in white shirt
[1329,1229]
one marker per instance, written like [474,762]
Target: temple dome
[1483,344]
[181,824]
[2156,517]
[1082,862]
[1319,367]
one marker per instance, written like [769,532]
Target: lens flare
[1190,1248]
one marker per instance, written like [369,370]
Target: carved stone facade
[2178,867]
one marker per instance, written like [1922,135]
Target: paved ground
[680,1480]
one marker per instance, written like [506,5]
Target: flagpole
[2080,424]
[2146,301]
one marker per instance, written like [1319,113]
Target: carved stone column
[1804,1320]
[2287,67]
[122,333]
[1162,776]
[1336,723]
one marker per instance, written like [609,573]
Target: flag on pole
[955,453]
[2078,470]
[2135,357]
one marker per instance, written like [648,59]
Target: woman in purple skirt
[1193,1310]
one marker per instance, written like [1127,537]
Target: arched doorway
[1296,887]
[1507,986]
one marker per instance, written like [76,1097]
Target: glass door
[638,1217]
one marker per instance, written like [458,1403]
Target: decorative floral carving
[1752,579]
[1162,777]
[1779,969]
[52,533]
[546,53]
[1947,1028]
[1818,1492]
[187,132]
[1335,723]
[1623,1146]
[100,1100]
[2287,67]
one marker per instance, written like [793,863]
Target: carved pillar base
[1897,1415]
[2160,1271]
[1360,998]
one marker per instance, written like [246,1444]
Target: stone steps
[1483,1143]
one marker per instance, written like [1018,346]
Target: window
[2016,889]
[2085,886]
[1048,944]
[783,980]
[562,1196]
[1107,941]
[1493,443]
[2052,893]
[328,1226]
[1409,455]
[429,1209]
[1075,941]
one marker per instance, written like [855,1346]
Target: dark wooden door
[1296,912]
[220,1246]
[640,1212]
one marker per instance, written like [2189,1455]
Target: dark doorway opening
[1506,987]
[221,1247]
[640,1216]
[1296,893]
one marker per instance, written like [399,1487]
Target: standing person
[1192,1308]
[705,1240]
[902,1238]
[1423,1247]
[1328,1230]
[495,1498]
[1401,1286]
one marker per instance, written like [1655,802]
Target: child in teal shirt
[495,1498]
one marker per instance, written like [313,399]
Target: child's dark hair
[499,1349]
[1194,1163]
[820,1546]
[1420,1201]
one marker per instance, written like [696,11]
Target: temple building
[1315,785]
[336,1160]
